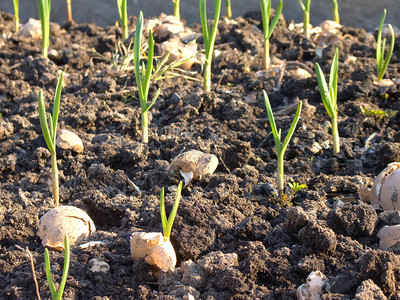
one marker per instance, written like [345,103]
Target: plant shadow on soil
[230,242]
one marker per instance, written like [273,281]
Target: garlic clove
[62,220]
[388,236]
[197,162]
[163,256]
[154,248]
[141,243]
[69,140]
[384,191]
[389,197]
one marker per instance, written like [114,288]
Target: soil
[232,240]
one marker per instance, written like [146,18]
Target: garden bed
[230,240]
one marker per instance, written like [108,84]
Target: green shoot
[383,62]
[306,16]
[69,11]
[329,97]
[16,15]
[285,199]
[143,76]
[176,9]
[123,15]
[378,114]
[228,9]
[57,295]
[209,39]
[167,223]
[268,29]
[50,133]
[335,11]
[44,14]
[281,148]
[295,187]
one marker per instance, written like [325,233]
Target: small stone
[98,266]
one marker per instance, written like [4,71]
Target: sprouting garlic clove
[163,256]
[141,243]
[154,248]
[62,220]
[197,162]
[385,189]
[69,140]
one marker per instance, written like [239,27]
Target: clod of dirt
[318,236]
[389,236]
[369,290]
[69,140]
[193,274]
[313,288]
[62,220]
[356,220]
[193,164]
[154,248]
[385,191]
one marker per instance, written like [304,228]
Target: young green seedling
[69,11]
[383,62]
[209,39]
[177,13]
[16,14]
[329,97]
[306,16]
[50,133]
[167,223]
[335,11]
[143,76]
[268,28]
[281,148]
[57,294]
[228,9]
[123,15]
[44,14]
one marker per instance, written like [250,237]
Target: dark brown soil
[231,241]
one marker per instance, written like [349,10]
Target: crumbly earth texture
[232,240]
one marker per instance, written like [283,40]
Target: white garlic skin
[154,248]
[389,197]
[62,220]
